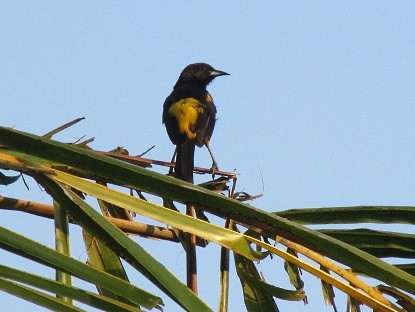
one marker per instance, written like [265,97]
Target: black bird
[189,115]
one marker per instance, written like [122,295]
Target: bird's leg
[173,159]
[214,163]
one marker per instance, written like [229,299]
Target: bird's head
[200,73]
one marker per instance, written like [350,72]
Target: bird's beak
[216,73]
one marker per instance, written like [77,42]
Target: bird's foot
[214,169]
[171,171]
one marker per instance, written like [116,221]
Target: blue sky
[318,109]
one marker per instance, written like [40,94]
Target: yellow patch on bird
[186,112]
[209,98]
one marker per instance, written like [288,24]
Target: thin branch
[130,227]
[63,127]
[147,162]
[191,257]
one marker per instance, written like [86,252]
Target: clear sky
[318,109]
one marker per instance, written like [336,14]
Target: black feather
[184,166]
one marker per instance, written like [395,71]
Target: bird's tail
[185,161]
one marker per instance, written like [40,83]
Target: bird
[189,116]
